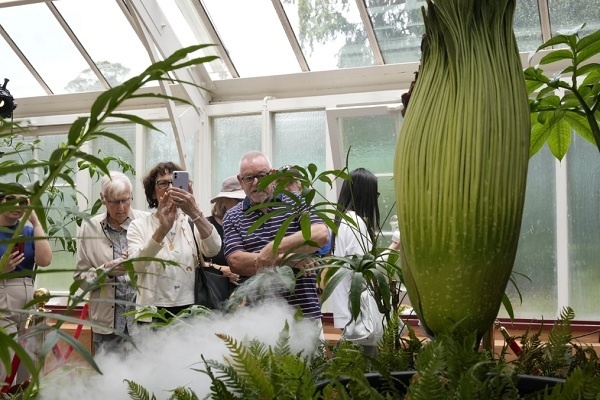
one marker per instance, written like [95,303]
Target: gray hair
[115,184]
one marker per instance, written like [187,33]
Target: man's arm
[248,264]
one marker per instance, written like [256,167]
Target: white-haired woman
[101,248]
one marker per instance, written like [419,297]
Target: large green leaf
[560,138]
[580,125]
[556,55]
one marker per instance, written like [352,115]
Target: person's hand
[395,230]
[14,259]
[266,257]
[233,278]
[166,212]
[115,267]
[185,201]
[303,264]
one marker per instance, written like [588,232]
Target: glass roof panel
[22,83]
[45,44]
[399,29]
[253,37]
[117,51]
[184,20]
[331,34]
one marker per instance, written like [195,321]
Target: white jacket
[350,240]
[161,284]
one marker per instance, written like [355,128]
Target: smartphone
[20,247]
[181,179]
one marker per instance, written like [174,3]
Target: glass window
[583,190]
[117,51]
[566,15]
[331,34]
[58,61]
[536,255]
[257,47]
[160,146]
[526,25]
[371,141]
[399,28]
[232,138]
[190,31]
[22,83]
[112,151]
[300,140]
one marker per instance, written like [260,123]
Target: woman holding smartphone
[168,234]
[15,292]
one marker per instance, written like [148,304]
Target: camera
[7,102]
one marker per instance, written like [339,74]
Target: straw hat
[230,189]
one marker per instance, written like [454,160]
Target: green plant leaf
[580,125]
[589,51]
[555,40]
[589,40]
[556,55]
[560,138]
[539,136]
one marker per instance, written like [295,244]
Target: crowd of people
[128,259]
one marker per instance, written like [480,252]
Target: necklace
[171,237]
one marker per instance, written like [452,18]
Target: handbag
[367,329]
[211,289]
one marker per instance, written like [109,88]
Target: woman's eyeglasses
[163,184]
[23,201]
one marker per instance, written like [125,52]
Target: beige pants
[14,294]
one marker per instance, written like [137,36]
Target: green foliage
[58,168]
[552,116]
[560,355]
[253,371]
[137,392]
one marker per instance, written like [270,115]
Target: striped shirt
[236,223]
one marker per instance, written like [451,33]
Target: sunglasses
[22,201]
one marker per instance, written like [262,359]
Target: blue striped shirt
[236,223]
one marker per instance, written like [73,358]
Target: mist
[165,359]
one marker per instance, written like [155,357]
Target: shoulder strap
[196,243]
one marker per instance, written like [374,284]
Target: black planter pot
[526,384]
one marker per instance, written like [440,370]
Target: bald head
[253,166]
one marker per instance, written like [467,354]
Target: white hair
[115,184]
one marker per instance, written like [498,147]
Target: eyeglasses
[116,203]
[250,179]
[23,201]
[163,184]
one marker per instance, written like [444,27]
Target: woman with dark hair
[358,200]
[169,234]
[15,292]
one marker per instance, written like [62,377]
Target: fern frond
[248,367]
[137,391]
[182,393]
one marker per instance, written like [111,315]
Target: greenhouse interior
[305,82]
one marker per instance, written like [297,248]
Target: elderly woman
[16,292]
[230,195]
[168,235]
[101,248]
